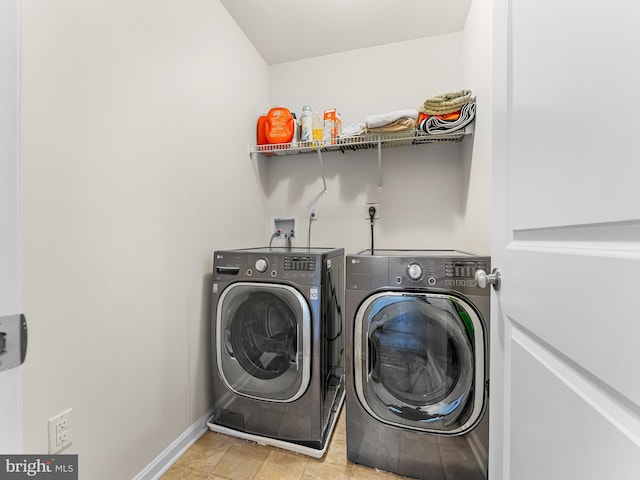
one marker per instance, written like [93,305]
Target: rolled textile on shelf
[382,119]
[434,125]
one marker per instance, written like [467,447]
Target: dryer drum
[263,335]
[420,358]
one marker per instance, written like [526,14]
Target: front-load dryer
[417,363]
[278,345]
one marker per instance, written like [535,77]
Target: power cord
[312,218]
[372,216]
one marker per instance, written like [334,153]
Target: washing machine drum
[263,341]
[417,361]
[263,334]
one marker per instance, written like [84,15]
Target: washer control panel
[300,263]
[298,268]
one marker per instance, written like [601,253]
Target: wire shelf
[362,142]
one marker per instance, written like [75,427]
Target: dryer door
[263,341]
[420,361]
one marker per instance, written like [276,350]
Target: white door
[10,399]
[565,384]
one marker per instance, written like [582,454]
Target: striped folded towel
[434,125]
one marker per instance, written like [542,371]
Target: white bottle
[317,126]
[306,124]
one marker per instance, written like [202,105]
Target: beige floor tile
[337,451]
[341,424]
[217,456]
[282,465]
[326,471]
[203,457]
[182,473]
[241,461]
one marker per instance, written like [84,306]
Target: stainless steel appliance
[278,345]
[417,363]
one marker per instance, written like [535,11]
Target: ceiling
[288,30]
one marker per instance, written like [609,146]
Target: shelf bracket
[379,165]
[324,180]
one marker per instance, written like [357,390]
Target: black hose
[372,216]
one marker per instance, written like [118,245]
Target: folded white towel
[379,120]
[352,130]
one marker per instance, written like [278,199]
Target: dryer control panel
[432,269]
[440,272]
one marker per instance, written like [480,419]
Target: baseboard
[173,452]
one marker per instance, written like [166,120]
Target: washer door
[419,361]
[263,341]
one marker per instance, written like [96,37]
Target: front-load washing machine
[278,345]
[417,363]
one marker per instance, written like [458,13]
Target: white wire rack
[362,142]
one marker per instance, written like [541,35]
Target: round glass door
[419,361]
[263,335]
[263,341]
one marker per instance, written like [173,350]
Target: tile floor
[221,457]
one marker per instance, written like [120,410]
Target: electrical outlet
[61,438]
[62,425]
[60,432]
[313,212]
[376,205]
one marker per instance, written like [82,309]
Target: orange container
[261,133]
[279,125]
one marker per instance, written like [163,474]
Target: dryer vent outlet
[283,227]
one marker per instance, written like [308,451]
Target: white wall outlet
[60,432]
[313,211]
[376,205]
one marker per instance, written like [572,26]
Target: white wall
[477,61]
[136,119]
[10,398]
[426,196]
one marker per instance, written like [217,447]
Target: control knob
[414,271]
[261,265]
